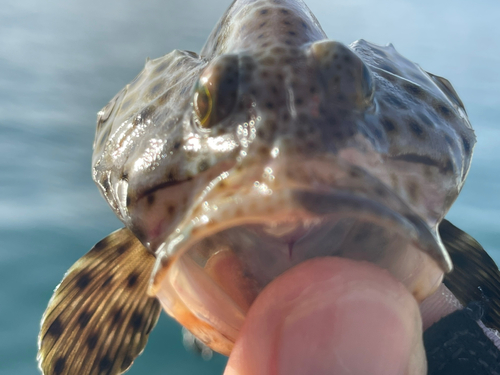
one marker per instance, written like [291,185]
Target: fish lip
[162,185]
[315,204]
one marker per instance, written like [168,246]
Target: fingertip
[330,315]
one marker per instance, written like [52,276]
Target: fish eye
[216,91]
[202,102]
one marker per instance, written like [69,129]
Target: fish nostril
[342,73]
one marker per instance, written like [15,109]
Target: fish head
[273,146]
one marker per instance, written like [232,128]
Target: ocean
[62,61]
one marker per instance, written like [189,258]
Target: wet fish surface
[272,146]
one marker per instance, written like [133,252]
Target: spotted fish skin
[275,140]
[308,97]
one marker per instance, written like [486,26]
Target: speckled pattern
[274,122]
[307,96]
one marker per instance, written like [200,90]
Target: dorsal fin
[475,276]
[100,316]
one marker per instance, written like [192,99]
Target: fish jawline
[254,249]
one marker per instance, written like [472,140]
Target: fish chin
[211,279]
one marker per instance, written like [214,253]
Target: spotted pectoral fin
[475,276]
[100,316]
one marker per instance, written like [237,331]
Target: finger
[331,316]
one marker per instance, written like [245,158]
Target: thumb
[331,316]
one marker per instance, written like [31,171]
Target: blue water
[61,61]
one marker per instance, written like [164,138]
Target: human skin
[335,316]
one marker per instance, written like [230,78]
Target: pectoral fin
[475,276]
[100,316]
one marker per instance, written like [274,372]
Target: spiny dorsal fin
[100,316]
[475,276]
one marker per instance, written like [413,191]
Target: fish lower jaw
[209,281]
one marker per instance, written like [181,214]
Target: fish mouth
[219,259]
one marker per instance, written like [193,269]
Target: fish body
[273,145]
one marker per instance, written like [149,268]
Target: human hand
[333,316]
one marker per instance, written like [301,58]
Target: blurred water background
[62,60]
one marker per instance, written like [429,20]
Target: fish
[271,146]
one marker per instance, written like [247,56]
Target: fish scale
[272,146]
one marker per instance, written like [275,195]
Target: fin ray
[475,276]
[100,316]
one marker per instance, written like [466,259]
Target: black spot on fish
[416,128]
[92,341]
[107,281]
[84,319]
[102,244]
[59,365]
[136,320]
[132,280]
[156,89]
[444,110]
[293,33]
[160,68]
[177,145]
[263,11]
[124,176]
[388,125]
[203,166]
[354,173]
[413,90]
[150,199]
[147,112]
[380,191]
[268,60]
[164,97]
[284,11]
[262,24]
[117,316]
[122,249]
[127,361]
[466,145]
[105,364]
[83,281]
[171,210]
[448,166]
[270,105]
[304,25]
[412,191]
[127,201]
[56,328]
